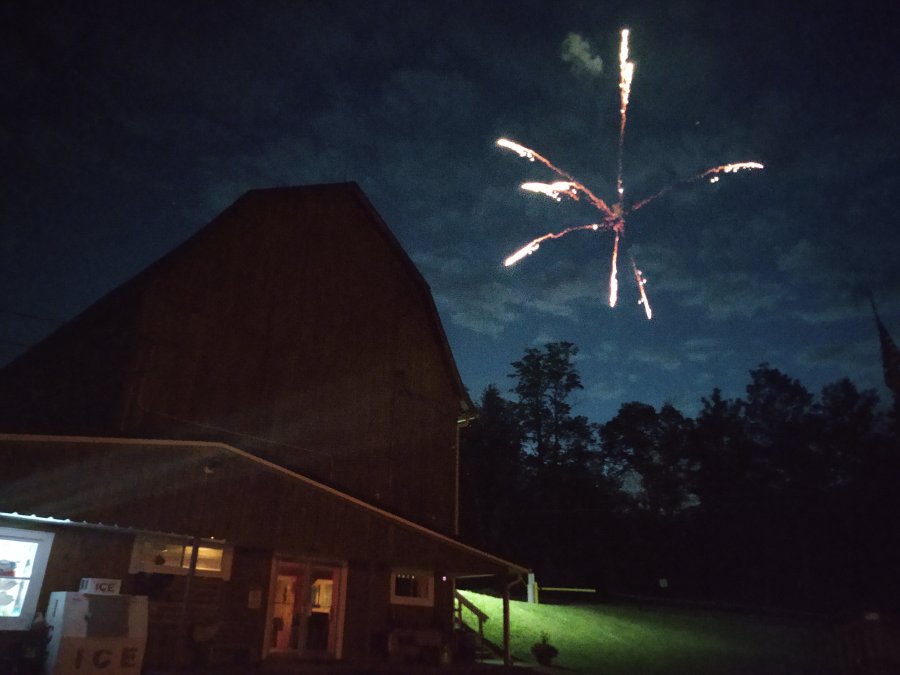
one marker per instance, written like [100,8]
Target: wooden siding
[294,320]
[243,501]
[294,326]
[366,630]
[210,490]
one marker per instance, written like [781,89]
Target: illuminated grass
[631,640]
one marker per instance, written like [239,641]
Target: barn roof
[214,490]
[125,297]
[353,191]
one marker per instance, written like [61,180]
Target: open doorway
[305,609]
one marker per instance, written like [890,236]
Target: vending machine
[96,633]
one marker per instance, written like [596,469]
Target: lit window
[412,587]
[23,559]
[165,556]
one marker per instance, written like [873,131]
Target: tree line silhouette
[779,498]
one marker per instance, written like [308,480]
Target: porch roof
[215,490]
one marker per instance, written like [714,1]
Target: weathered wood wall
[366,630]
[293,326]
[213,492]
[83,551]
[296,328]
[295,318]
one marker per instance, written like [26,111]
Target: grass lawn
[635,640]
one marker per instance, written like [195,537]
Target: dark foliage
[780,498]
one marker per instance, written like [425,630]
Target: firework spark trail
[558,189]
[725,168]
[613,274]
[626,73]
[574,185]
[609,212]
[535,244]
[641,283]
[614,217]
[552,190]
[531,155]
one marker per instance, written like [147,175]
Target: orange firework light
[613,216]
[641,282]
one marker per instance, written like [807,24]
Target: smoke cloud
[577,51]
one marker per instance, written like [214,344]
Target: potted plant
[543,651]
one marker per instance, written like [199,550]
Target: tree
[651,446]
[779,497]
[794,494]
[648,449]
[566,501]
[777,415]
[544,381]
[490,470]
[861,463]
[845,422]
[721,451]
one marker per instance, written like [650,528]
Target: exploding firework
[613,216]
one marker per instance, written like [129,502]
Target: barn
[259,432]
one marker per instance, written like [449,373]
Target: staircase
[482,648]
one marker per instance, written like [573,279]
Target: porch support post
[183,645]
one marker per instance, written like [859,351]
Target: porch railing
[460,602]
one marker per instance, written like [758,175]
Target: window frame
[423,599]
[138,563]
[44,541]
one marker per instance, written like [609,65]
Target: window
[169,556]
[23,559]
[412,587]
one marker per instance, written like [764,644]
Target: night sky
[127,126]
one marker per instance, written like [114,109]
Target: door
[305,616]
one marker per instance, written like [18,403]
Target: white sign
[100,586]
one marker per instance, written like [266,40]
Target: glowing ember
[552,190]
[521,150]
[613,217]
[731,168]
[522,252]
